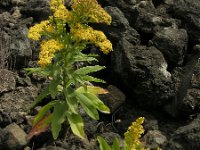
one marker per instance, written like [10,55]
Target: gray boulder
[14,139]
[188,11]
[17,45]
[187,136]
[120,27]
[34,8]
[154,139]
[114,99]
[173,44]
[7,81]
[143,71]
[15,104]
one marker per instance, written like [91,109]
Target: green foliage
[104,145]
[67,80]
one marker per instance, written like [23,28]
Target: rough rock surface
[14,32]
[189,13]
[154,139]
[173,44]
[15,104]
[143,70]
[7,80]
[114,99]
[187,136]
[15,138]
[34,8]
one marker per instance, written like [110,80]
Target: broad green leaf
[53,87]
[91,111]
[82,98]
[76,124]
[72,104]
[103,144]
[58,117]
[84,58]
[38,70]
[41,96]
[44,110]
[40,127]
[98,103]
[92,89]
[116,145]
[92,79]
[88,69]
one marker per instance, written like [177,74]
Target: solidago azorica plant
[131,138]
[62,38]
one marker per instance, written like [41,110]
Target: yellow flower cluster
[34,32]
[88,34]
[90,11]
[62,13]
[47,51]
[54,4]
[134,133]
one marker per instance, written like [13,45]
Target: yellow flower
[90,11]
[62,13]
[88,34]
[105,46]
[133,134]
[54,4]
[47,51]
[35,32]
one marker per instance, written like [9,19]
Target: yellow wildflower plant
[68,85]
[63,13]
[47,50]
[90,11]
[54,4]
[35,32]
[88,34]
[133,134]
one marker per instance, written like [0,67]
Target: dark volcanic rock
[173,44]
[34,8]
[186,137]
[143,70]
[114,99]
[144,16]
[189,13]
[15,104]
[120,27]
[154,139]
[14,139]
[14,32]
[7,81]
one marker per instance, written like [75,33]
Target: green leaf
[88,106]
[72,103]
[44,110]
[53,87]
[84,57]
[92,89]
[58,118]
[41,96]
[76,124]
[116,145]
[88,69]
[103,144]
[92,79]
[98,103]
[82,98]
[38,70]
[91,111]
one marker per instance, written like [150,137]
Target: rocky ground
[154,71]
